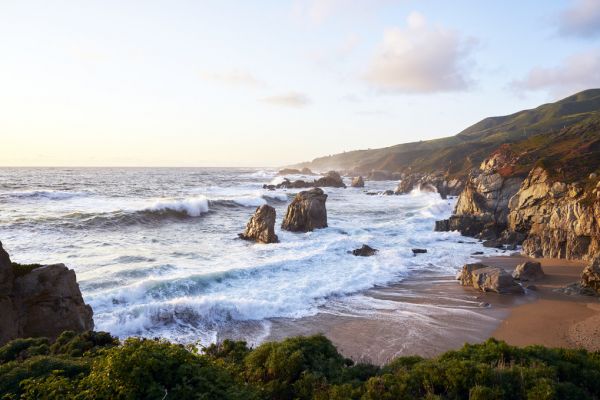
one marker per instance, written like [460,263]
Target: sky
[270,83]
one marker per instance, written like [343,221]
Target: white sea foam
[44,194]
[194,207]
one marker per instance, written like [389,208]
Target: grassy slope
[457,154]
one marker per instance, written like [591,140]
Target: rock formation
[488,279]
[330,179]
[365,251]
[528,271]
[590,278]
[358,182]
[434,182]
[40,300]
[306,212]
[261,227]
[419,251]
[295,171]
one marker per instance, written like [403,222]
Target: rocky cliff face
[40,300]
[561,220]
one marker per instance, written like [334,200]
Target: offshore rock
[261,227]
[358,182]
[434,182]
[306,212]
[365,251]
[330,179]
[43,301]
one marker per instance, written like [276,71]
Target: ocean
[156,250]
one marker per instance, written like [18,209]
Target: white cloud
[577,72]
[291,99]
[421,59]
[581,19]
[235,77]
[317,11]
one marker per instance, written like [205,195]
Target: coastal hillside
[573,122]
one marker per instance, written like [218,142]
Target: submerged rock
[419,251]
[306,212]
[261,227]
[40,300]
[528,271]
[365,251]
[358,182]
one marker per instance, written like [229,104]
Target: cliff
[39,300]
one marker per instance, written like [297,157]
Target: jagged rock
[466,224]
[494,279]
[42,300]
[465,274]
[590,278]
[261,227]
[358,182]
[388,193]
[419,251]
[330,179]
[365,251]
[493,243]
[306,212]
[528,271]
[434,182]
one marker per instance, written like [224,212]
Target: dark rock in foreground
[261,227]
[306,212]
[365,251]
[39,300]
[528,271]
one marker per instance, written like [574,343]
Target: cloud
[577,72]
[421,59]
[291,99]
[581,19]
[235,78]
[317,11]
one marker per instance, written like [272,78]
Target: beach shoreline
[429,315]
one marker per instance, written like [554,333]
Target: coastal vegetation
[95,365]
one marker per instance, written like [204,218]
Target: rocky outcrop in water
[434,182]
[330,179]
[39,300]
[365,251]
[358,182]
[306,212]
[261,227]
[295,171]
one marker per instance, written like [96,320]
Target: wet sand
[429,315]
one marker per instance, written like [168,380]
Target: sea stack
[358,182]
[40,300]
[261,227]
[306,212]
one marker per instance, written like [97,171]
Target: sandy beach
[430,315]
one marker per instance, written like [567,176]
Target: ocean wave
[44,194]
[194,207]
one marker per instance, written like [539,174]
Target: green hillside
[578,115]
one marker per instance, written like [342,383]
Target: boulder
[358,182]
[419,251]
[365,251]
[494,279]
[528,271]
[331,179]
[465,274]
[40,300]
[590,278]
[306,212]
[261,227]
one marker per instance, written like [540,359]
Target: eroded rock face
[465,274]
[358,182]
[306,212]
[261,227]
[528,271]
[590,278]
[43,302]
[560,220]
